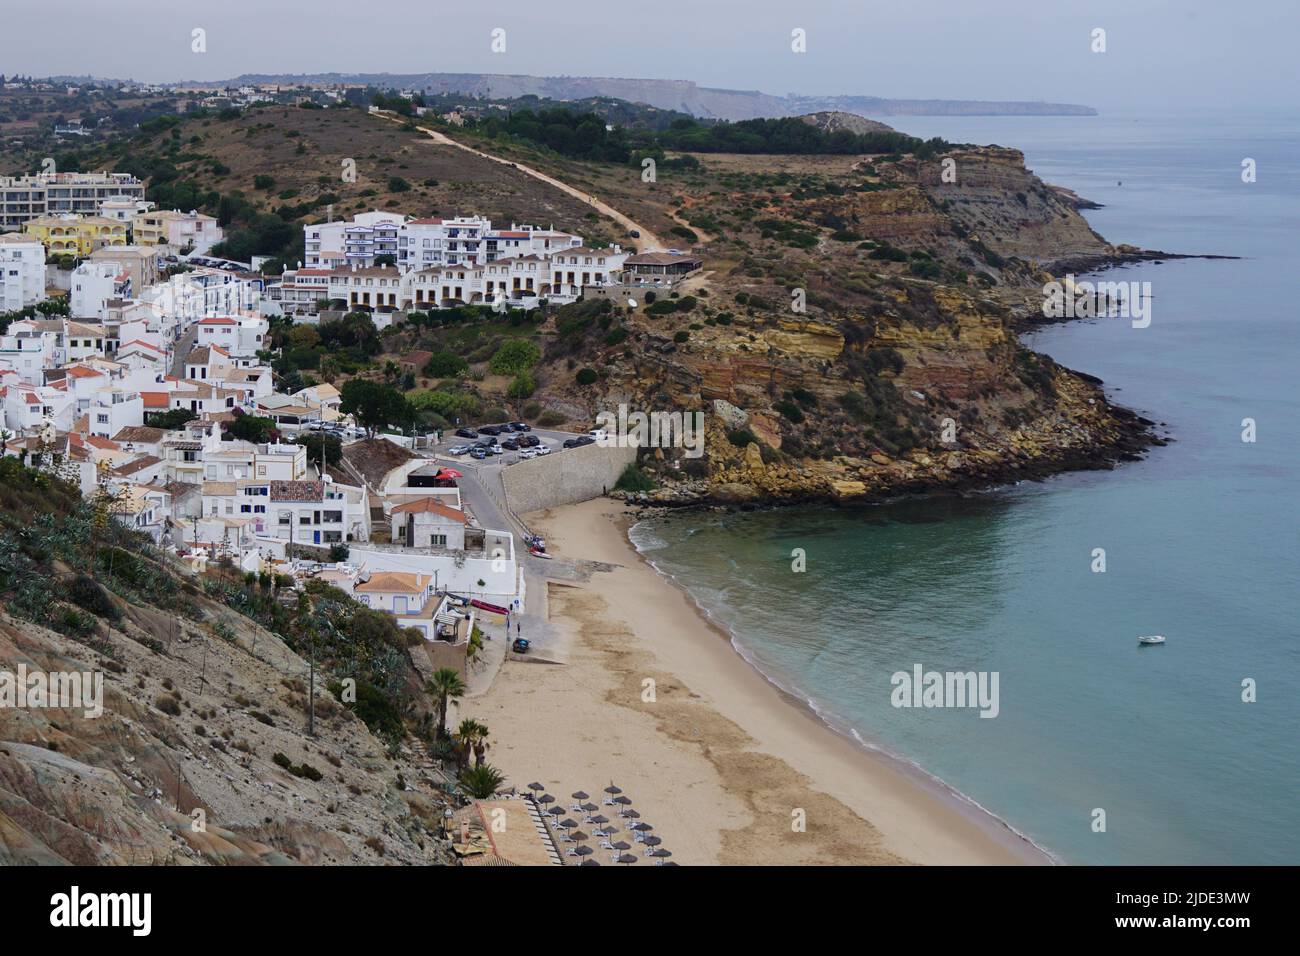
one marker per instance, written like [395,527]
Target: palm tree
[472,737]
[481,782]
[446,685]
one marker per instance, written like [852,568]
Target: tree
[447,686]
[481,782]
[472,737]
[324,450]
[374,405]
[444,364]
[515,356]
[250,428]
[171,419]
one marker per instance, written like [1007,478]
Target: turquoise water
[1200,540]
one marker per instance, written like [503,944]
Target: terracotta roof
[103,443]
[137,464]
[406,581]
[297,490]
[431,506]
[142,433]
[156,399]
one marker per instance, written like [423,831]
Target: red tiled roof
[431,506]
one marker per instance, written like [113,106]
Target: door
[399,605]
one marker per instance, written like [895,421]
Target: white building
[22,271]
[94,285]
[239,337]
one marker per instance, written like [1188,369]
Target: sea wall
[564,477]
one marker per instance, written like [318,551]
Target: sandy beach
[652,696]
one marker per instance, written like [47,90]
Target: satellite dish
[631,303]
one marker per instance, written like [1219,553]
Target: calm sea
[1200,539]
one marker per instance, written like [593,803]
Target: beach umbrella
[535,786]
[546,798]
[600,818]
[652,841]
[568,823]
[583,850]
[588,863]
[640,827]
[625,801]
[621,845]
[626,858]
[590,807]
[580,795]
[556,811]
[450,473]
[612,790]
[668,863]
[578,836]
[629,814]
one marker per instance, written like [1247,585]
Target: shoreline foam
[721,760]
[806,703]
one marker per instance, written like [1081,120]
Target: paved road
[483,494]
[184,346]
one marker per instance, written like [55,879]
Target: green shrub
[586,376]
[634,479]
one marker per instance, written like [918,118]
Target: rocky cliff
[854,333]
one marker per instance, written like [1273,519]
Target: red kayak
[492,608]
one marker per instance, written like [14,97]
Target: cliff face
[854,333]
[194,711]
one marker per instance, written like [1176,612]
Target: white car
[526,453]
[458,449]
[543,449]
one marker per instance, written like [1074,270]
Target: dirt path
[648,241]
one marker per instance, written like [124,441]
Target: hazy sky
[1160,53]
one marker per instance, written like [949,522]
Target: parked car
[529,441]
[458,449]
[521,426]
[466,433]
[635,233]
[543,449]
[579,441]
[496,450]
[489,430]
[510,444]
[597,434]
[521,645]
[527,453]
[478,454]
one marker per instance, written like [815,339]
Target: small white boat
[1151,639]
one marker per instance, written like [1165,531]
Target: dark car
[579,441]
[521,645]
[489,430]
[521,426]
[466,433]
[528,441]
[510,444]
